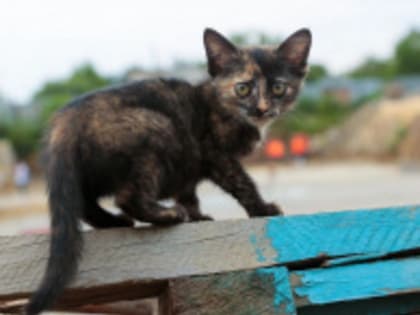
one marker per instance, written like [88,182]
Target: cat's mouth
[257,116]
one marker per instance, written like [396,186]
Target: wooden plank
[265,291]
[372,233]
[134,255]
[78,297]
[268,290]
[353,282]
[147,254]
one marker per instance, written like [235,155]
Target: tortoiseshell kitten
[158,139]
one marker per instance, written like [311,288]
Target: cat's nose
[263,106]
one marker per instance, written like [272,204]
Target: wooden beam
[269,291]
[116,257]
[76,298]
[239,293]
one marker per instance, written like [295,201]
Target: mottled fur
[157,139]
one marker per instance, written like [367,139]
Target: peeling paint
[373,232]
[383,278]
[259,251]
[283,299]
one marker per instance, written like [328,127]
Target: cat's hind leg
[99,218]
[138,197]
[142,206]
[191,203]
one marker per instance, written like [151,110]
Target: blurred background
[351,142]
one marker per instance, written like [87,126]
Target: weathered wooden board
[136,255]
[265,291]
[130,255]
[74,299]
[371,233]
[359,281]
[269,291]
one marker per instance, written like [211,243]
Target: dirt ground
[299,188]
[374,130]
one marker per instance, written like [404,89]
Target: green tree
[25,133]
[316,72]
[373,67]
[24,136]
[407,54]
[311,116]
[55,94]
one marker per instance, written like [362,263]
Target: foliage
[405,60]
[25,134]
[398,137]
[311,117]
[3,130]
[316,72]
[372,67]
[407,54]
[55,94]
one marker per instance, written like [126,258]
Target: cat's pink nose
[263,106]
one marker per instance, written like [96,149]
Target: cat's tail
[66,204]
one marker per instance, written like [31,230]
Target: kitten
[157,139]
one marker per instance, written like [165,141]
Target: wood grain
[130,255]
[239,293]
[354,282]
[145,258]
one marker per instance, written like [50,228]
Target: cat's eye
[279,88]
[243,89]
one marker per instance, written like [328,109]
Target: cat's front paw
[271,209]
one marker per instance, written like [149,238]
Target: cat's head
[260,83]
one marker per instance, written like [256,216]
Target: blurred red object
[275,149]
[299,144]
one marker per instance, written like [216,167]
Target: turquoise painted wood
[349,262]
[369,258]
[283,299]
[348,235]
[359,281]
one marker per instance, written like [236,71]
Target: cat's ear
[295,49]
[220,52]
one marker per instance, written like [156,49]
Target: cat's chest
[235,137]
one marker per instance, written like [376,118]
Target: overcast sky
[46,39]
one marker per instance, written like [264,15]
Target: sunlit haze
[46,39]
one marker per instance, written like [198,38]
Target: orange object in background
[299,144]
[275,149]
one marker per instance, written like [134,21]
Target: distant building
[403,86]
[341,95]
[189,72]
[347,90]
[10,111]
[6,110]
[344,90]
[138,74]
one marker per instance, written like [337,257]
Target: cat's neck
[230,131]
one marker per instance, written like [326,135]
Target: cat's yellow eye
[278,88]
[243,89]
